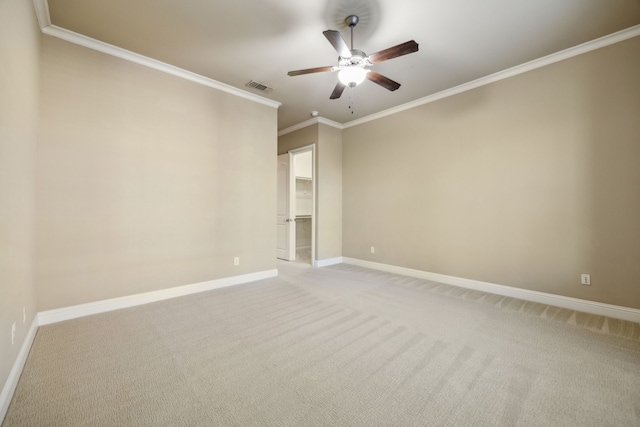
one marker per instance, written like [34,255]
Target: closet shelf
[303,216]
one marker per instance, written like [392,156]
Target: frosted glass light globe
[352,76]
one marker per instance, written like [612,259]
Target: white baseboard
[12,381]
[328,262]
[592,307]
[66,313]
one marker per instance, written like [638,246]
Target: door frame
[289,196]
[314,186]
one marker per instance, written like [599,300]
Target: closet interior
[303,167]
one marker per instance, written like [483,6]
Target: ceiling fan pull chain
[353,63]
[351,96]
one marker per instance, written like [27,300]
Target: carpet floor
[340,345]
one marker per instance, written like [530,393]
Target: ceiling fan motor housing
[358,59]
[352,62]
[352,70]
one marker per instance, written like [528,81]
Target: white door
[286,244]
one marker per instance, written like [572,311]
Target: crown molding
[44,20]
[310,122]
[331,123]
[589,46]
[298,126]
[42,13]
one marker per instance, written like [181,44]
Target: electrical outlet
[585,279]
[236,261]
[373,250]
[13,333]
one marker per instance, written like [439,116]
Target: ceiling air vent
[259,86]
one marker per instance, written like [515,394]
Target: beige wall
[297,139]
[303,232]
[329,244]
[19,56]
[146,181]
[328,178]
[527,182]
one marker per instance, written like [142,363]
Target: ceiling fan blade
[337,91]
[383,81]
[309,71]
[338,43]
[393,52]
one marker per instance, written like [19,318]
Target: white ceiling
[234,41]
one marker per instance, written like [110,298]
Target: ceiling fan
[353,63]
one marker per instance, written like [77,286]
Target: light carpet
[340,345]
[303,254]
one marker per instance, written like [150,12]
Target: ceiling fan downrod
[353,63]
[352,21]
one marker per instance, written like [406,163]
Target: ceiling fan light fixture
[352,76]
[352,62]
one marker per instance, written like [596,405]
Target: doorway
[296,205]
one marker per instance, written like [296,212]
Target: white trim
[331,123]
[299,126]
[592,307]
[42,12]
[44,20]
[310,122]
[314,198]
[12,381]
[127,55]
[505,74]
[66,313]
[327,262]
